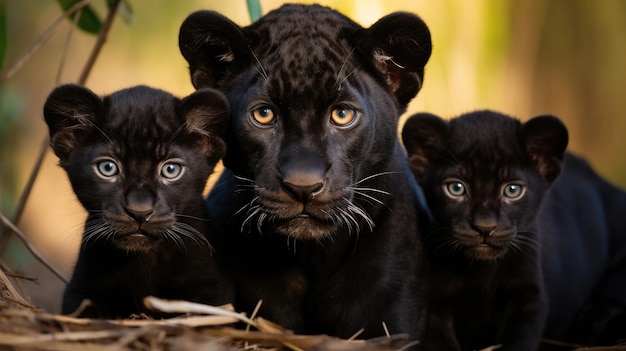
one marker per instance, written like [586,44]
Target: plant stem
[32,249]
[102,37]
[42,39]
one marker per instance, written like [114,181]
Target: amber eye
[343,116]
[513,191]
[263,115]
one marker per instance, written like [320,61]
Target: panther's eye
[172,170]
[513,191]
[263,115]
[454,189]
[343,116]
[107,168]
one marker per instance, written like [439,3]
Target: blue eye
[455,189]
[171,170]
[513,191]
[107,168]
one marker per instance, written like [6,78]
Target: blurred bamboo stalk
[254,9]
[42,39]
[102,37]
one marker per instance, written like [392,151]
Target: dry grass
[25,327]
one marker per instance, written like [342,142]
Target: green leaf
[3,32]
[254,9]
[124,10]
[88,21]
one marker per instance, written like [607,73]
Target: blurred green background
[564,57]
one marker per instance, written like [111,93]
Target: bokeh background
[563,57]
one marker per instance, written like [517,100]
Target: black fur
[146,225]
[585,257]
[485,176]
[581,243]
[319,219]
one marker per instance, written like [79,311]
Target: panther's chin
[305,228]
[138,242]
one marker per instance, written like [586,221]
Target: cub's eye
[107,168]
[172,170]
[454,189]
[513,191]
[263,115]
[343,116]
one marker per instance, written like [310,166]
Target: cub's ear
[399,46]
[207,113]
[70,112]
[545,138]
[424,136]
[211,43]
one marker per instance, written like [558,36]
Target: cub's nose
[139,205]
[484,224]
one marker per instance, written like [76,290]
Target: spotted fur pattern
[318,210]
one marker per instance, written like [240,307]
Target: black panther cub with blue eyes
[485,176]
[138,161]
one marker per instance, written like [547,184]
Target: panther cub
[485,176]
[138,161]
[319,215]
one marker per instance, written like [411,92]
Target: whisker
[192,217]
[191,233]
[374,176]
[372,189]
[172,235]
[260,68]
[244,179]
[253,211]
[84,120]
[339,83]
[260,220]
[359,211]
[249,206]
[369,197]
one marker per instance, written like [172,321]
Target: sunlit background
[563,57]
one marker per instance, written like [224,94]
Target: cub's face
[484,176]
[315,100]
[484,213]
[138,161]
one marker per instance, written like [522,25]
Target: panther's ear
[207,113]
[545,138]
[424,136]
[399,46]
[70,112]
[211,44]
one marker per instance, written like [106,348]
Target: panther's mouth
[319,217]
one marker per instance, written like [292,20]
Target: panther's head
[315,101]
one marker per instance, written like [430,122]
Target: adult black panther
[318,209]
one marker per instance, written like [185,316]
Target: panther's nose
[302,169]
[303,191]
